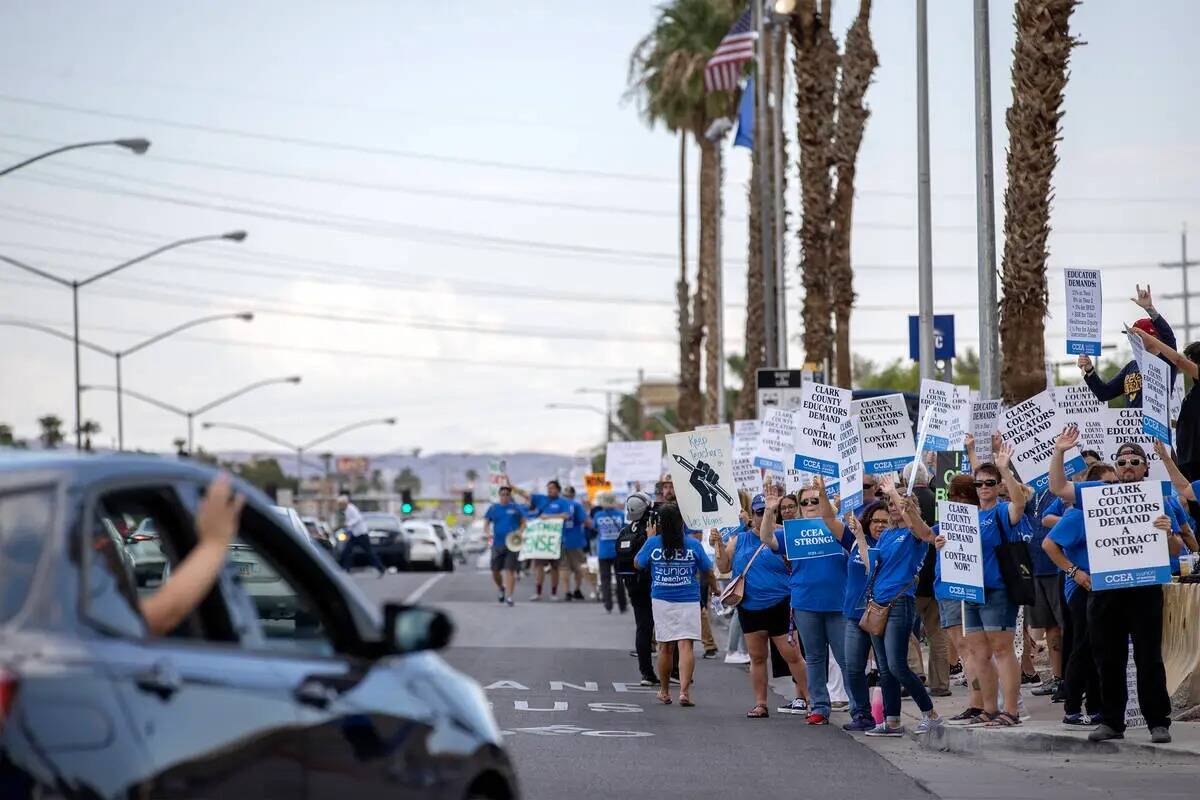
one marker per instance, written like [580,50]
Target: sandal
[982,718]
[1003,720]
[686,701]
[758,712]
[665,699]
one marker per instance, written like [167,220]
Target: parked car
[232,703]
[428,545]
[319,532]
[450,538]
[477,538]
[149,561]
[390,545]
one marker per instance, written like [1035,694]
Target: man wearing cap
[359,539]
[1128,381]
[637,582]
[1115,616]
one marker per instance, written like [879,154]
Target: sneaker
[566,597]
[1023,713]
[1047,687]
[501,597]
[956,669]
[1080,721]
[536,598]
[883,729]
[1104,733]
[839,705]
[860,724]
[939,692]
[576,595]
[929,724]
[508,601]
[964,717]
[1060,695]
[737,658]
[797,706]
[1031,679]
[649,681]
[711,654]
[960,679]
[817,719]
[1160,735]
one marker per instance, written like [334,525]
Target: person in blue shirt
[551,505]
[676,564]
[765,611]
[574,547]
[500,520]
[608,520]
[864,556]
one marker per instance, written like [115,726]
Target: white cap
[636,506]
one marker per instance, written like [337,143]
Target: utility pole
[924,237]
[780,206]
[985,211]
[1183,264]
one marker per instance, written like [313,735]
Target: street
[564,689]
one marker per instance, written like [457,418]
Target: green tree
[472,475]
[89,428]
[407,479]
[377,480]
[51,435]
[265,473]
[6,436]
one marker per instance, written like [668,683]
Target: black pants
[606,582]
[1082,679]
[638,587]
[1114,617]
[361,542]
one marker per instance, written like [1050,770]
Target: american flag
[722,71]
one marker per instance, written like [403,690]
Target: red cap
[1146,324]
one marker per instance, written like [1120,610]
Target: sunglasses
[812,502]
[788,507]
[1130,462]
[990,483]
[760,512]
[879,521]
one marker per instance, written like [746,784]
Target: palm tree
[180,446]
[51,434]
[1039,76]
[89,428]
[6,435]
[666,76]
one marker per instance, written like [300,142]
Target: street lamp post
[299,448]
[117,355]
[191,414]
[135,146]
[76,285]
[608,399]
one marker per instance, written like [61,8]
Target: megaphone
[514,541]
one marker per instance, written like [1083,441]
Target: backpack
[629,544]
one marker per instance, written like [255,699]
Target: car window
[381,522]
[25,520]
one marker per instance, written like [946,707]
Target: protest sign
[1135,344]
[984,416]
[808,538]
[745,438]
[633,462]
[577,477]
[746,476]
[543,540]
[1123,425]
[822,410]
[1156,399]
[962,556]
[497,477]
[1030,428]
[1176,398]
[938,407]
[596,483]
[960,418]
[887,440]
[776,440]
[1085,304]
[702,470]
[1078,406]
[1124,548]
[795,480]
[850,466]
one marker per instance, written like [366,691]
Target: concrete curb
[1026,739]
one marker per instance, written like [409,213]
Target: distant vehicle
[149,561]
[291,519]
[477,539]
[319,532]
[426,545]
[390,544]
[450,539]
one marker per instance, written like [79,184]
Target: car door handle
[161,679]
[315,693]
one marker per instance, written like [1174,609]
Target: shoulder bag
[875,617]
[1016,565]
[736,590]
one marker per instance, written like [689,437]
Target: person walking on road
[676,564]
[358,538]
[666,494]
[637,582]
[574,547]
[764,612]
[608,521]
[551,505]
[502,519]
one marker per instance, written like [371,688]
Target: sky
[456,218]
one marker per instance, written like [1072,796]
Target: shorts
[775,620]
[1047,609]
[996,613]
[950,612]
[573,560]
[504,560]
[674,622]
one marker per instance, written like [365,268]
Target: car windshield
[381,522]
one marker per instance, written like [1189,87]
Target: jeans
[1081,678]
[643,617]
[606,582]
[858,645]
[820,631]
[361,542]
[1114,617]
[891,654]
[736,642]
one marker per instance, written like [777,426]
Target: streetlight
[135,146]
[117,355]
[299,448]
[608,399]
[195,412]
[76,285]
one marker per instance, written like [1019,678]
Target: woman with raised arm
[862,559]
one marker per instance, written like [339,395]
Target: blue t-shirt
[574,535]
[854,602]
[1034,532]
[900,556]
[505,519]
[818,584]
[608,522]
[674,578]
[543,506]
[993,532]
[767,581]
[1070,536]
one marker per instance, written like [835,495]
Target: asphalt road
[563,688]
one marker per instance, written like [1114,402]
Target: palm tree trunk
[1039,76]
[859,61]
[710,220]
[755,336]
[689,345]
[815,67]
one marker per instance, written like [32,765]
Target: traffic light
[406,501]
[468,504]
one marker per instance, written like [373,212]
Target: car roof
[86,467]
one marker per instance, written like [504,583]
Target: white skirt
[674,622]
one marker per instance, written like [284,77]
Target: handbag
[736,590]
[1016,567]
[875,618]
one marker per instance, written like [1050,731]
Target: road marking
[423,588]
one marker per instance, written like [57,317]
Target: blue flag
[745,131]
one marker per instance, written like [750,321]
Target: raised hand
[1144,298]
[852,523]
[887,484]
[1161,450]
[1163,523]
[939,542]
[1067,439]
[1002,456]
[996,441]
[969,441]
[1151,343]
[1085,363]
[218,514]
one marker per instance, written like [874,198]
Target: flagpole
[766,165]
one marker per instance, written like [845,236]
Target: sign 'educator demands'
[1124,547]
[1030,427]
[961,557]
[808,538]
[543,540]
[1085,303]
[819,420]
[887,438]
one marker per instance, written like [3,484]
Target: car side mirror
[411,629]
